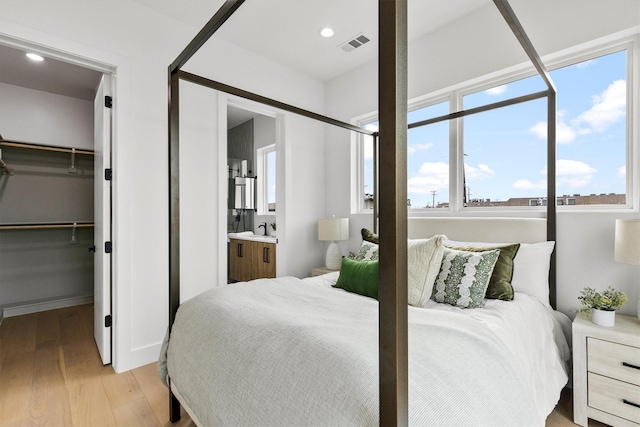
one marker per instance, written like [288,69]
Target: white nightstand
[321,270]
[606,371]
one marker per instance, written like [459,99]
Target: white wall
[141,44]
[29,115]
[302,166]
[199,201]
[463,51]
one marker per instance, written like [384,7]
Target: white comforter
[293,352]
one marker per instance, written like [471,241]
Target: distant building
[565,200]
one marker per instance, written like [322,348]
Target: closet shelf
[42,147]
[45,225]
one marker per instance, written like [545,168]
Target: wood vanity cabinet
[249,259]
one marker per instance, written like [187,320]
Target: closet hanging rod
[32,146]
[45,225]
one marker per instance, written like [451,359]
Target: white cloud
[573,173]
[622,172]
[573,168]
[565,134]
[498,90]
[368,148]
[608,107]
[525,184]
[585,64]
[570,173]
[480,172]
[413,148]
[430,177]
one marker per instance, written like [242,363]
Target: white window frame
[626,40]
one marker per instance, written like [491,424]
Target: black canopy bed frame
[390,152]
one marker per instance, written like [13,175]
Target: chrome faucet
[264,224]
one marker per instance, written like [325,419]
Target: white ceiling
[286,31]
[49,75]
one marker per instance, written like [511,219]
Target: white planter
[603,318]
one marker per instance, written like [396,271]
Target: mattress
[288,351]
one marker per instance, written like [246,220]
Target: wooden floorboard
[51,374]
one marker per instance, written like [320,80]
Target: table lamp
[333,229]
[627,248]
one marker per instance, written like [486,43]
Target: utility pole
[433,197]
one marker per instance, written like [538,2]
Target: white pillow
[531,269]
[424,257]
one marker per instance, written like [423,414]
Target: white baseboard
[36,307]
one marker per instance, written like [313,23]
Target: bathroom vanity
[251,257]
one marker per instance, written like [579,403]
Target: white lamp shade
[627,248]
[333,229]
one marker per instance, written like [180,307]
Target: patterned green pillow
[500,284]
[367,252]
[464,277]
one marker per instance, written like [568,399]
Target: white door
[102,329]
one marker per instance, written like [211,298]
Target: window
[503,153]
[266,172]
[366,169]
[428,159]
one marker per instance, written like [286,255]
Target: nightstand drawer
[618,361]
[614,397]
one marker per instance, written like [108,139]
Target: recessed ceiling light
[35,57]
[326,32]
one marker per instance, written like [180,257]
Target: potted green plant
[601,305]
[273,225]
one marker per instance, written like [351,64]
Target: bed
[292,351]
[382,351]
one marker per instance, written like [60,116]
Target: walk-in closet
[47,158]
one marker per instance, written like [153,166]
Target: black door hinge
[108,101]
[108,173]
[107,321]
[107,247]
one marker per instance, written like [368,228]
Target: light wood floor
[51,374]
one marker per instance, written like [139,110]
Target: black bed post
[174,217]
[511,19]
[551,189]
[220,17]
[392,101]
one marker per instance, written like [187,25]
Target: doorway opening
[55,198]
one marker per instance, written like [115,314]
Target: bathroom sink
[262,238]
[248,235]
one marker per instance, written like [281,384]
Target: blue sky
[505,149]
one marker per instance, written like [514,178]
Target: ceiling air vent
[354,43]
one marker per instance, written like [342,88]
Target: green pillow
[360,277]
[500,284]
[464,277]
[370,236]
